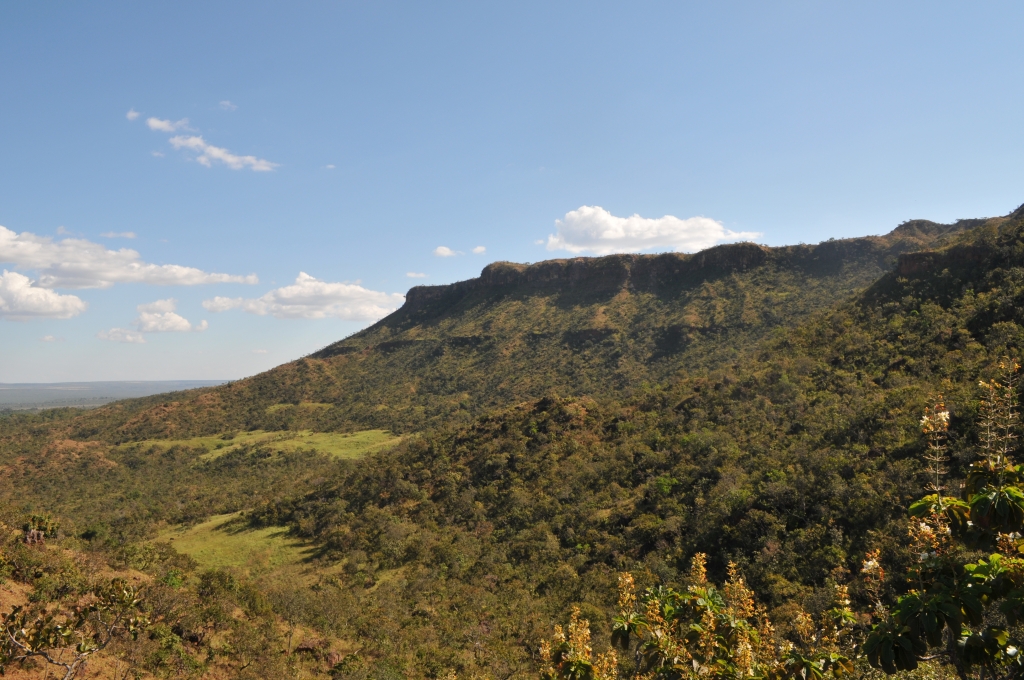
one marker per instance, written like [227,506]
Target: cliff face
[646,273]
[930,262]
[666,275]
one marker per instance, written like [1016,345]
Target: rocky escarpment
[668,272]
[613,272]
[585,280]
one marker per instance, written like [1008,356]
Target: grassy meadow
[347,445]
[226,541]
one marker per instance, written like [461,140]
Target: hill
[790,447]
[596,326]
[793,464]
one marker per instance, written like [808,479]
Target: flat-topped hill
[602,327]
[666,275]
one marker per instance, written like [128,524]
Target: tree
[67,638]
[959,608]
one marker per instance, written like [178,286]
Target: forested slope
[596,326]
[793,464]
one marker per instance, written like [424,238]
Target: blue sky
[346,142]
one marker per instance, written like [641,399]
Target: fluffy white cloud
[160,317]
[445,251]
[228,106]
[209,153]
[166,125]
[479,250]
[310,298]
[132,114]
[78,263]
[594,229]
[121,335]
[21,299]
[415,275]
[118,234]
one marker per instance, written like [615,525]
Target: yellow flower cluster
[575,652]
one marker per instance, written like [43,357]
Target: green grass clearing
[220,543]
[339,445]
[306,405]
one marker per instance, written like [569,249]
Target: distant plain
[28,396]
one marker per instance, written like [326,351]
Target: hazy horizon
[18,396]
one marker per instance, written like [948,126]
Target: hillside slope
[460,546]
[584,326]
[793,464]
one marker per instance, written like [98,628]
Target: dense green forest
[562,423]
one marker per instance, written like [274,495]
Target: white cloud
[329,166]
[160,317]
[121,335]
[61,230]
[132,114]
[78,263]
[445,251]
[166,125]
[21,299]
[479,250]
[228,106]
[310,298]
[48,338]
[415,275]
[158,306]
[157,154]
[594,229]
[259,351]
[118,234]
[209,153]
[222,304]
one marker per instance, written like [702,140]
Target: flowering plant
[958,608]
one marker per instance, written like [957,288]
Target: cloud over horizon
[593,229]
[310,298]
[21,300]
[122,335]
[161,317]
[79,263]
